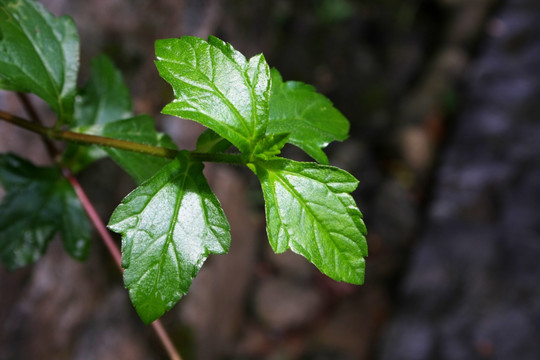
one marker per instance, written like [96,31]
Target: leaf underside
[170,224]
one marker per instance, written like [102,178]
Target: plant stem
[115,253]
[36,126]
[31,111]
[111,142]
[166,340]
[95,219]
[87,139]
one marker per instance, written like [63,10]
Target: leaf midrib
[222,96]
[46,65]
[305,206]
[169,234]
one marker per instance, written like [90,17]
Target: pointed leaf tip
[310,211]
[309,116]
[218,87]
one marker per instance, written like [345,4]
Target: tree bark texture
[471,290]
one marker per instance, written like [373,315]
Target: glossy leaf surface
[218,87]
[39,53]
[38,203]
[271,145]
[310,118]
[170,224]
[309,210]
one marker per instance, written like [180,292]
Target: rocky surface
[471,291]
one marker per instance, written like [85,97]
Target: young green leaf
[309,210]
[309,116]
[169,225]
[38,203]
[39,53]
[271,145]
[218,87]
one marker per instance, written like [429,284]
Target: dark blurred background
[443,99]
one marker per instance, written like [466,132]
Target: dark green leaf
[38,203]
[169,225]
[74,225]
[39,53]
[105,98]
[216,86]
[138,129]
[309,116]
[77,157]
[309,210]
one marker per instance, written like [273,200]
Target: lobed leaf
[310,118]
[169,225]
[309,210]
[38,203]
[218,87]
[39,53]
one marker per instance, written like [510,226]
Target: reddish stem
[95,219]
[166,340]
[92,214]
[115,253]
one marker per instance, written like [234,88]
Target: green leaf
[309,116]
[271,145]
[210,142]
[38,203]
[218,87]
[309,210]
[169,225]
[74,223]
[105,97]
[139,129]
[39,53]
[6,85]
